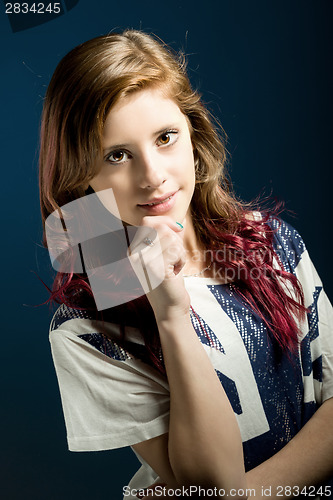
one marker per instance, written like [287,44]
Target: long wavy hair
[85,86]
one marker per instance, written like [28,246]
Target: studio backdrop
[263,68]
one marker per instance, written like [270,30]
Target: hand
[158,265]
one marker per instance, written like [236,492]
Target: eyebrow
[155,134]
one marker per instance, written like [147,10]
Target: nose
[151,171]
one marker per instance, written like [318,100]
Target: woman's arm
[305,461]
[203,446]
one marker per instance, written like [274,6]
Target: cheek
[107,179]
[189,161]
[185,154]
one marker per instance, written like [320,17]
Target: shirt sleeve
[320,327]
[108,403]
[316,346]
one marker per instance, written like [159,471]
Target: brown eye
[117,157]
[164,139]
[167,138]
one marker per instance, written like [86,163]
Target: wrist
[173,317]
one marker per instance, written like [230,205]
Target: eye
[117,157]
[167,138]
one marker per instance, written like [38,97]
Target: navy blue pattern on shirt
[278,379]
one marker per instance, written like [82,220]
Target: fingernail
[180,225]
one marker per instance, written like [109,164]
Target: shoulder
[286,233]
[288,244]
[65,313]
[79,330]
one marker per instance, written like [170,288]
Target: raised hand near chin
[157,256]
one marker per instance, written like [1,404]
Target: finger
[148,264]
[150,236]
[155,221]
[144,236]
[176,257]
[179,265]
[163,258]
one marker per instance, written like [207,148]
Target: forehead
[145,110]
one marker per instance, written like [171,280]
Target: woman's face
[147,158]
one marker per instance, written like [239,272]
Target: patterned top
[113,397]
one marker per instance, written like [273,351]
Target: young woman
[221,374]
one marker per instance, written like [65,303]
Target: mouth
[160,205]
[157,202]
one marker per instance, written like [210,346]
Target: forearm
[305,461]
[204,439]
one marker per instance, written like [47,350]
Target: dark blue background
[265,69]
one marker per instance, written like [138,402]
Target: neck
[191,243]
[196,258]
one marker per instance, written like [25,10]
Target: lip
[161,205]
[158,199]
